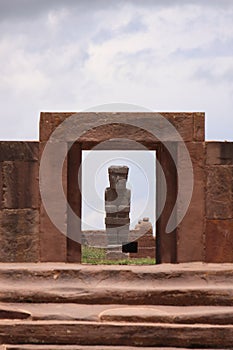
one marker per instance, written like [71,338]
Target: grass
[97,256]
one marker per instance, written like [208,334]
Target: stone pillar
[117,206]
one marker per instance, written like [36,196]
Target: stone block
[19,150]
[219,241]
[53,243]
[199,127]
[20,184]
[49,122]
[219,194]
[119,126]
[190,232]
[219,153]
[19,241]
[184,124]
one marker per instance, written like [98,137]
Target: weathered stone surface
[119,125]
[13,313]
[53,243]
[219,153]
[190,244]
[183,284]
[54,332]
[20,184]
[219,192]
[199,127]
[163,314]
[49,122]
[19,235]
[19,150]
[219,241]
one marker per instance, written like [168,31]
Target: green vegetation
[97,256]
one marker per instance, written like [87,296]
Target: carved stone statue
[117,206]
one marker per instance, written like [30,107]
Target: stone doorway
[56,246]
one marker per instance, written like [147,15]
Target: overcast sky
[70,55]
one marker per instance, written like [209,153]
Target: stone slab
[53,243]
[19,239]
[71,332]
[219,241]
[190,232]
[118,313]
[219,192]
[200,284]
[159,314]
[183,122]
[19,150]
[20,184]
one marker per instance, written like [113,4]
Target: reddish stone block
[219,241]
[49,122]
[119,126]
[199,127]
[190,232]
[53,244]
[183,122]
[19,150]
[20,184]
[219,192]
[19,235]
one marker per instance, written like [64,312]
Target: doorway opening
[140,247]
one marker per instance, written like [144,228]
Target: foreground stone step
[166,274]
[39,292]
[183,284]
[119,313]
[127,334]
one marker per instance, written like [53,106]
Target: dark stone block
[19,150]
[131,247]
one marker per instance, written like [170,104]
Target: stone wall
[219,202]
[205,233]
[143,235]
[19,202]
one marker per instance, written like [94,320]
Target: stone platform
[69,306]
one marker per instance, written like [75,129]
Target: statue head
[118,176]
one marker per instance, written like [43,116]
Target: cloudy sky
[71,55]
